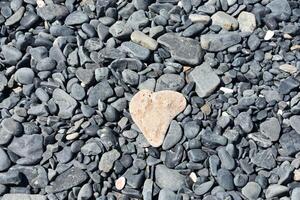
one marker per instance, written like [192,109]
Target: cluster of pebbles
[70,68]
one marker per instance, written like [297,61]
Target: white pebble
[269,35]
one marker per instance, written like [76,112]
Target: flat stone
[219,42]
[244,121]
[225,179]
[138,20]
[29,148]
[4,160]
[120,30]
[201,189]
[135,50]
[24,197]
[290,143]
[251,191]
[276,190]
[184,50]
[108,159]
[287,85]
[173,136]
[153,112]
[147,189]
[264,159]
[166,194]
[65,102]
[288,68]
[269,35]
[16,17]
[247,22]
[271,129]
[120,183]
[168,178]
[279,8]
[205,78]
[144,40]
[198,18]
[11,54]
[75,18]
[295,193]
[169,82]
[101,91]
[224,20]
[51,12]
[294,122]
[67,180]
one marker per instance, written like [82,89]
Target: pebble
[271,129]
[264,159]
[203,188]
[197,18]
[11,55]
[269,35]
[85,192]
[52,12]
[219,42]
[107,160]
[76,18]
[224,20]
[225,179]
[247,22]
[184,50]
[205,78]
[136,51]
[251,190]
[191,129]
[24,196]
[227,161]
[67,180]
[173,135]
[244,121]
[153,112]
[65,102]
[295,193]
[5,162]
[288,68]
[120,183]
[169,82]
[16,17]
[276,190]
[144,40]
[24,76]
[101,91]
[168,178]
[166,194]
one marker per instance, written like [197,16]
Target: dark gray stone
[65,103]
[170,82]
[173,136]
[219,42]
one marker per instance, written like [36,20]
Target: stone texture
[23,197]
[247,22]
[144,40]
[224,20]
[219,42]
[153,112]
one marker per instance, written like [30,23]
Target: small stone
[75,18]
[226,160]
[247,22]
[225,179]
[108,159]
[275,190]
[251,191]
[120,30]
[144,40]
[197,18]
[24,75]
[296,175]
[101,91]
[271,129]
[197,155]
[173,136]
[153,112]
[120,183]
[46,64]
[135,50]
[290,143]
[16,17]
[4,160]
[219,42]
[51,12]
[288,68]
[205,78]
[201,189]
[224,20]
[130,77]
[269,35]
[287,85]
[138,20]
[253,42]
[168,178]
[295,193]
[191,129]
[294,122]
[12,126]
[147,189]
[24,197]
[166,194]
[65,103]
[184,50]
[240,180]
[264,159]
[169,82]
[29,148]
[85,192]
[280,9]
[11,54]
[67,180]
[244,121]
[91,149]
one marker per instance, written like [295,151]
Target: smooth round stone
[24,76]
[46,64]
[225,179]
[240,180]
[191,129]
[77,91]
[75,18]
[251,191]
[4,160]
[197,155]
[86,192]
[12,126]
[295,193]
[120,183]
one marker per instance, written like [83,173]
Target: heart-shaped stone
[153,112]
